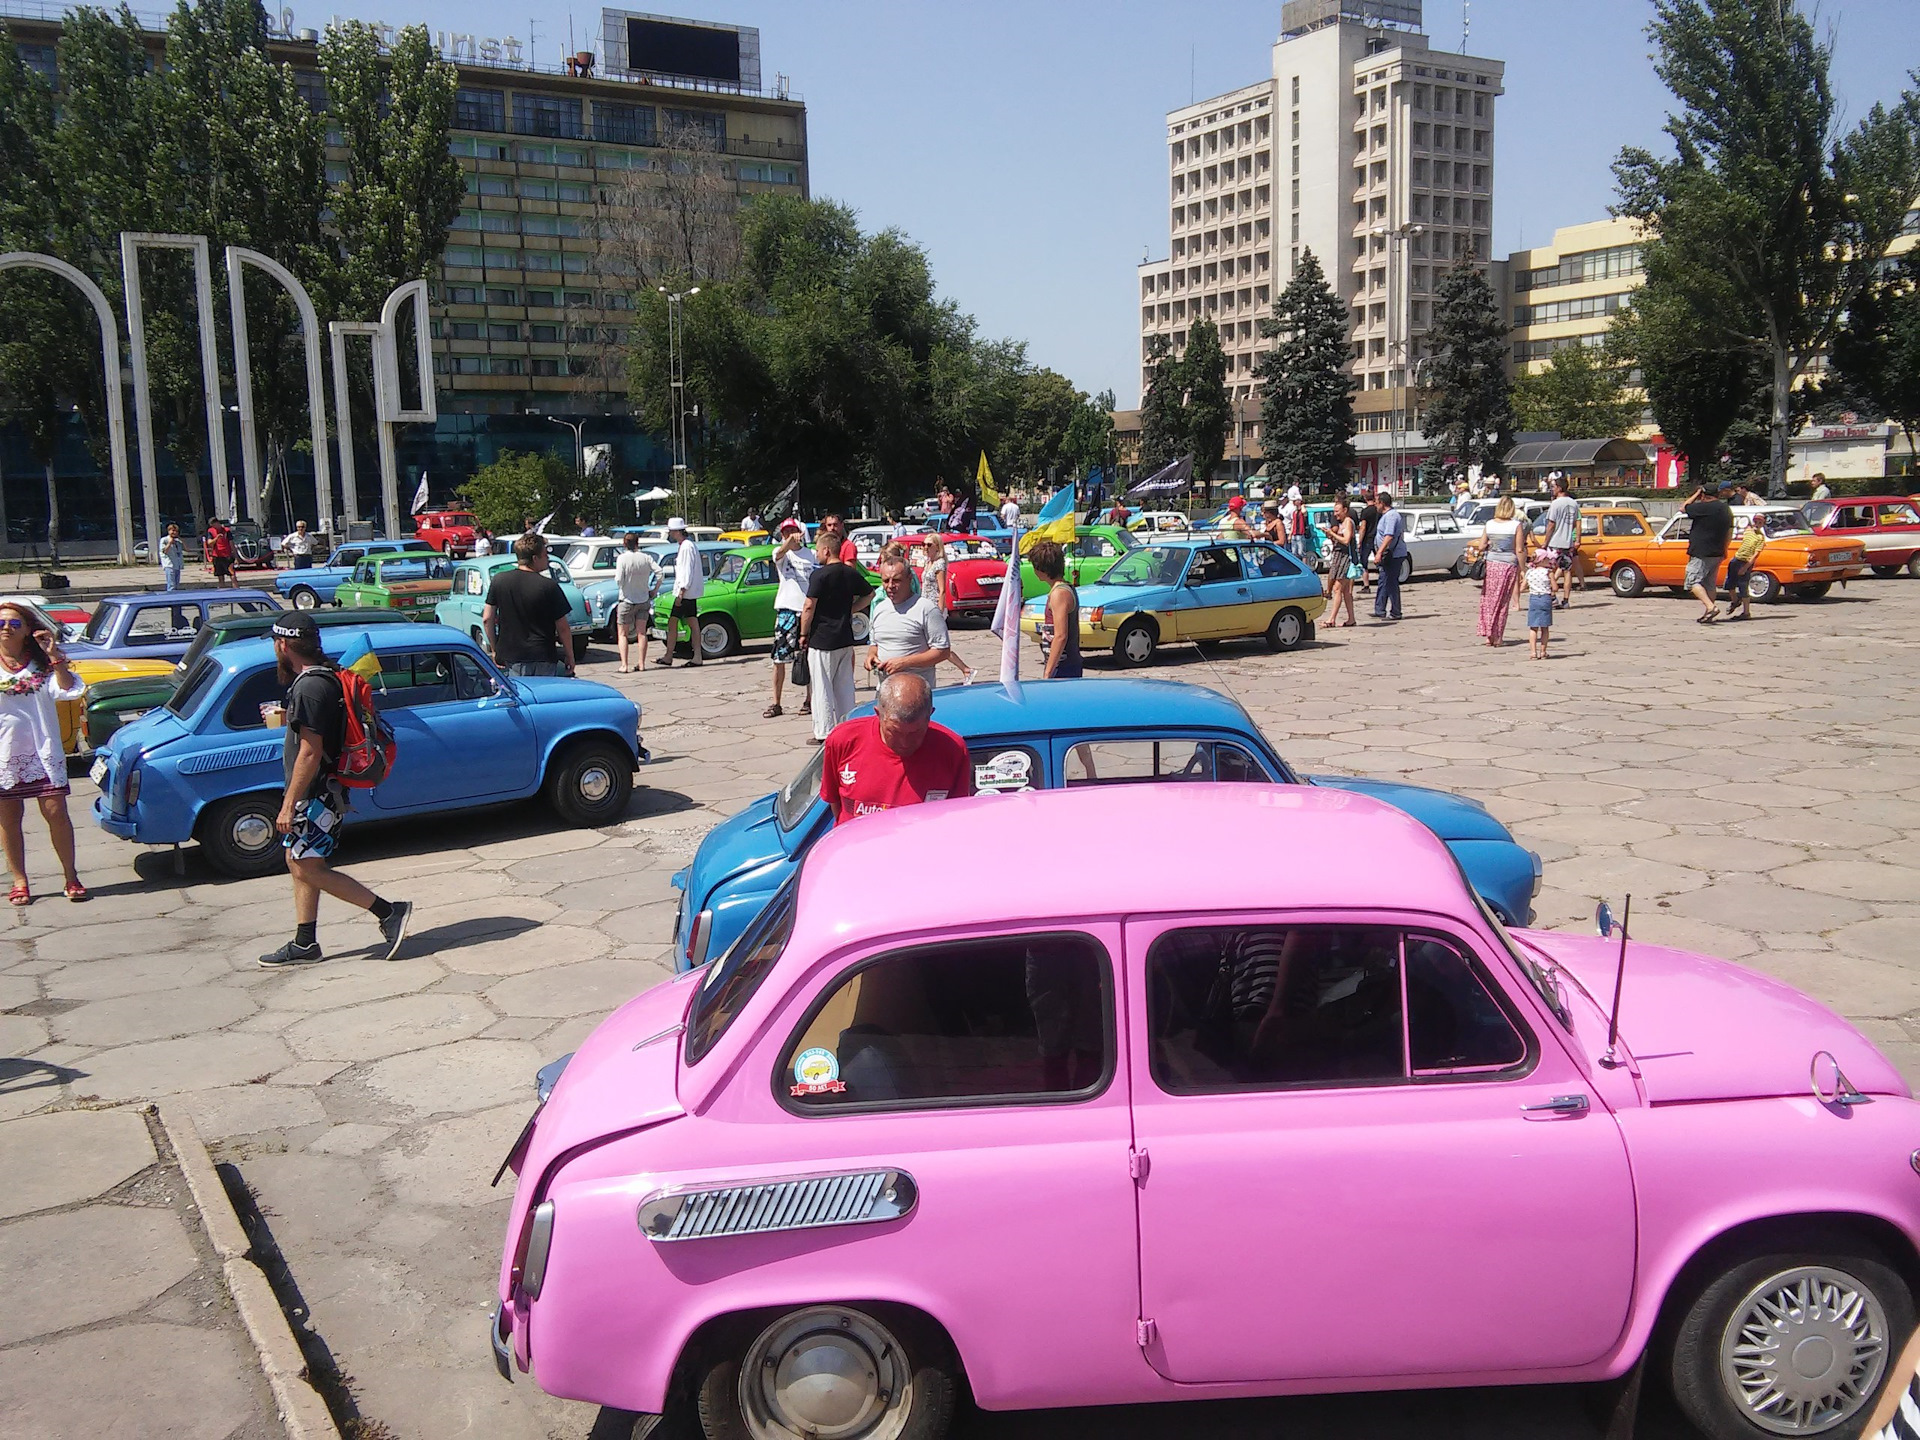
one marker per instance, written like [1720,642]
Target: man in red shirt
[219,551]
[895,756]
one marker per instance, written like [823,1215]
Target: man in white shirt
[793,566]
[906,633]
[637,576]
[1820,488]
[300,546]
[689,584]
[1009,517]
[1563,538]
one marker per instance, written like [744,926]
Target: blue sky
[1020,144]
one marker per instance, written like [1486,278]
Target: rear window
[194,689]
[731,980]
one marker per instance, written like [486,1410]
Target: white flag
[1006,617]
[420,495]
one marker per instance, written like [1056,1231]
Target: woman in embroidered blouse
[33,675]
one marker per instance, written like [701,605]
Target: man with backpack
[317,722]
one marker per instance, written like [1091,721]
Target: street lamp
[579,457]
[1396,349]
[677,380]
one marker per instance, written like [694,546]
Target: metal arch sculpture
[388,407]
[238,257]
[116,402]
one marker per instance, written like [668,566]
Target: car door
[1274,577]
[1347,1169]
[753,599]
[464,735]
[1666,553]
[1896,535]
[1215,599]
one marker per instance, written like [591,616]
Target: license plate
[97,772]
[990,582]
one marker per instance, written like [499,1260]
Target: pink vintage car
[1134,1127]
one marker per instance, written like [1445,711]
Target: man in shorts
[219,549]
[793,567]
[1563,538]
[689,584]
[637,576]
[1707,537]
[314,808]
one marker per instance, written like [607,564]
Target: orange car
[1634,552]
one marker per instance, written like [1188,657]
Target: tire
[1886,572]
[480,639]
[718,637]
[860,627]
[1627,580]
[590,781]
[853,1371]
[304,597]
[1406,568]
[1913,565]
[1811,592]
[1462,568]
[1288,630]
[1724,1397]
[1136,642]
[580,644]
[239,838]
[1762,588]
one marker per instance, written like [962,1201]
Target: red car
[1888,524]
[447,530]
[976,568]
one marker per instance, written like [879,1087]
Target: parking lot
[1753,786]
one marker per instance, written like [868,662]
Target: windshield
[1150,565]
[790,806]
[1541,975]
[1816,510]
[1785,522]
[187,698]
[100,622]
[731,980]
[1125,539]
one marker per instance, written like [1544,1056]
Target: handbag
[799,675]
[1355,570]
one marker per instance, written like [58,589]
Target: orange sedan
[1634,552]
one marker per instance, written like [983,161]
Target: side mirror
[1603,919]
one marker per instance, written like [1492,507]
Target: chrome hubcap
[305,600]
[1138,645]
[1288,629]
[596,783]
[253,832]
[713,639]
[826,1374]
[1804,1351]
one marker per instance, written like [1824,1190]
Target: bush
[518,486]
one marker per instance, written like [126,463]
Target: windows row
[1449,137]
[1442,174]
[1586,308]
[512,222]
[1608,264]
[546,365]
[1194,181]
[537,333]
[1226,137]
[474,258]
[534,299]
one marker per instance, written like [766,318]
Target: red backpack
[367,745]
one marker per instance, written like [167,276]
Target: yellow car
[745,537]
[73,713]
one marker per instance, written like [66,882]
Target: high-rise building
[1367,146]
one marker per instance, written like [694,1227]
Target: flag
[1167,478]
[420,501]
[1006,617]
[233,505]
[357,655]
[983,481]
[1056,521]
[545,520]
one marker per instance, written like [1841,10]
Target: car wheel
[860,627]
[304,597]
[1462,567]
[580,644]
[589,782]
[239,837]
[1627,580]
[1406,568]
[1135,643]
[717,637]
[1762,587]
[1288,630]
[1789,1344]
[1886,572]
[1913,565]
[1811,592]
[830,1370]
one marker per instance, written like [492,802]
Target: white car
[586,557]
[1436,541]
[657,534]
[1161,522]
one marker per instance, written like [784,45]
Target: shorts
[222,567]
[685,607]
[631,617]
[317,825]
[786,636]
[1701,570]
[1737,573]
[1539,612]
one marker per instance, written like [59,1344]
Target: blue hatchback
[1052,734]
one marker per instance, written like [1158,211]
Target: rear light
[133,786]
[697,934]
[536,1243]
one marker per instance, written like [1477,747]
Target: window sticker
[816,1071]
[1009,770]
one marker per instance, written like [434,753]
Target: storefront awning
[1574,455]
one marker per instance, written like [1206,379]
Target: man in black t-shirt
[834,591]
[1707,537]
[314,807]
[526,615]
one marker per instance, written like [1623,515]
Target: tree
[1765,225]
[1469,402]
[1209,411]
[519,486]
[1306,392]
[1577,396]
[1695,391]
[1163,408]
[1034,447]
[1876,355]
[1089,438]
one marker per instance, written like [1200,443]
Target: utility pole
[677,384]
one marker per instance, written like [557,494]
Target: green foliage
[519,486]
[1765,226]
[1209,412]
[1876,355]
[1306,392]
[1580,397]
[1469,402]
[1089,437]
[1163,419]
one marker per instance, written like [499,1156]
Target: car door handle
[1559,1105]
[1242,590]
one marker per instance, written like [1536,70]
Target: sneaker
[293,953]
[393,929]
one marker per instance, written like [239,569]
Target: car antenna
[1612,1057]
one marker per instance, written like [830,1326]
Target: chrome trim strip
[798,1202]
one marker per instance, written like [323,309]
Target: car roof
[1192,542]
[1050,705]
[175,597]
[1339,847]
[388,635]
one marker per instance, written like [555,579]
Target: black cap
[296,625]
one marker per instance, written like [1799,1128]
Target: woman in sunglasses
[33,675]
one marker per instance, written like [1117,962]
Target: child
[1752,541]
[1540,566]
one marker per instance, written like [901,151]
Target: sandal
[771,711]
[20,896]
[77,893]
[807,709]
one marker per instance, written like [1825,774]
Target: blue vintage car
[1051,734]
[205,767]
[463,606]
[603,596]
[159,624]
[316,585]
[1201,590]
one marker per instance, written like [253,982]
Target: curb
[302,1411]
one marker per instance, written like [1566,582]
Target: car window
[362,573]
[413,680]
[1455,1023]
[253,691]
[1018,1017]
[1678,528]
[797,796]
[395,570]
[1005,769]
[163,624]
[185,700]
[1899,515]
[559,572]
[1118,762]
[1215,564]
[605,556]
[100,623]
[1622,525]
[348,557]
[471,679]
[219,610]
[1853,517]
[760,572]
[731,980]
[1269,562]
[1156,565]
[471,581]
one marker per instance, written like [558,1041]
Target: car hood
[1705,1029]
[129,687]
[624,1076]
[1451,817]
[1121,597]
[552,689]
[743,842]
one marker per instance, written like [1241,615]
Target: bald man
[895,756]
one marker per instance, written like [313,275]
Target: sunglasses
[13,624]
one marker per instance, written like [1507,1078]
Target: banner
[1167,479]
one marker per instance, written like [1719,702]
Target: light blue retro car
[463,606]
[315,586]
[1199,590]
[603,595]
[205,766]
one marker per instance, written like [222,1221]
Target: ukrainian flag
[357,655]
[1055,522]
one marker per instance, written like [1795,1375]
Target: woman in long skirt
[1505,551]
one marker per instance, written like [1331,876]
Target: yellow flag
[983,478]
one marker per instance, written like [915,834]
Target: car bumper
[122,825]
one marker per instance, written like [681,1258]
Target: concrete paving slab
[65,1158]
[167,1067]
[388,1027]
[77,1267]
[251,1109]
[161,1015]
[454,1079]
[168,1382]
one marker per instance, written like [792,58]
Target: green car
[1094,551]
[467,599]
[738,603]
[112,703]
[407,585]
